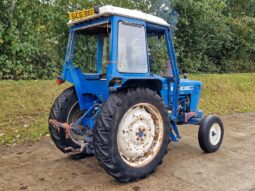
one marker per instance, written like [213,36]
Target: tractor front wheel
[210,134]
[131,134]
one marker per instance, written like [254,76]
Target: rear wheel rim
[215,134]
[140,134]
[74,114]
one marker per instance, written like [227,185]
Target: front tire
[210,134]
[131,134]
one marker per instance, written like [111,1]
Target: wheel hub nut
[140,134]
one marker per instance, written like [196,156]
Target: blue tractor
[118,108]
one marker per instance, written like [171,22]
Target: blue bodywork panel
[192,88]
[93,90]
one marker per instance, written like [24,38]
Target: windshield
[132,53]
[91,52]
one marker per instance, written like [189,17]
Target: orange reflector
[60,81]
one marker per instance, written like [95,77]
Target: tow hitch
[77,134]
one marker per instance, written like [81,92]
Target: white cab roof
[109,10]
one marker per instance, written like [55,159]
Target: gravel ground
[41,166]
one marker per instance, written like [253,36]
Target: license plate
[81,14]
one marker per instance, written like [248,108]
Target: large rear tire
[65,109]
[131,134]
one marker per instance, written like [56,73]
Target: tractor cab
[108,48]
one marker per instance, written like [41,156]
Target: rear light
[59,80]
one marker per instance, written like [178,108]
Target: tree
[209,35]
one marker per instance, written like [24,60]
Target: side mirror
[185,75]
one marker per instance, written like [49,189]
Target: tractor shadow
[87,167]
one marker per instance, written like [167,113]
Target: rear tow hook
[83,139]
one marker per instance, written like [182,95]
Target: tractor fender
[153,84]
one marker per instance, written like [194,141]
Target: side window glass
[158,56]
[132,51]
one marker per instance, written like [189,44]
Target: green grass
[227,93]
[25,105]
[25,109]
